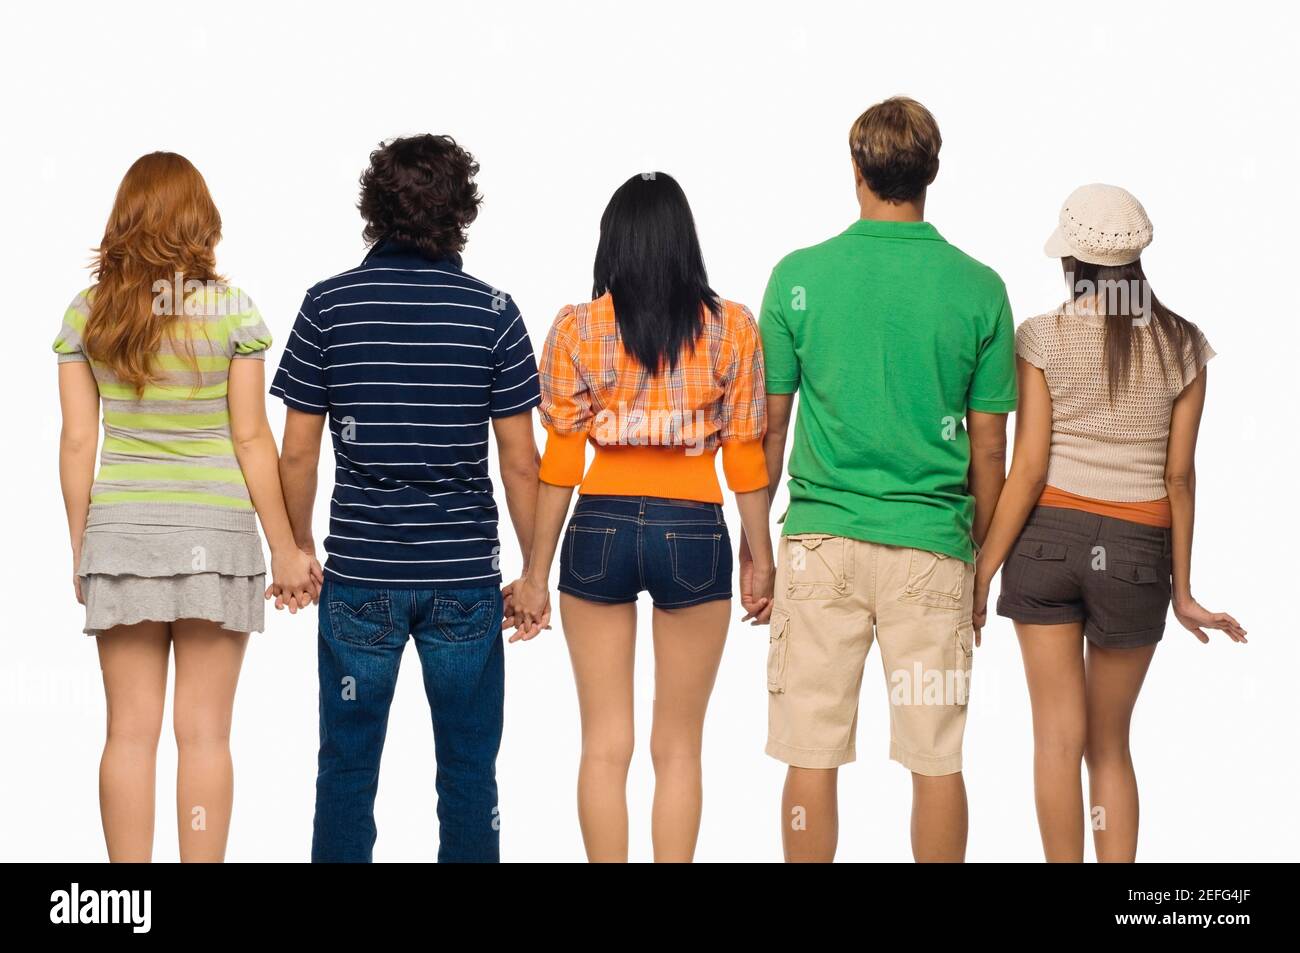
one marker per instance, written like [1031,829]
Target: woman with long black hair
[659,373]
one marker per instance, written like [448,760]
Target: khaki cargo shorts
[833,596]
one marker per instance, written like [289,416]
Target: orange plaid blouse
[655,434]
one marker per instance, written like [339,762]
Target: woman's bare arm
[295,575]
[78,442]
[1180,484]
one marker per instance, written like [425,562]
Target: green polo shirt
[890,335]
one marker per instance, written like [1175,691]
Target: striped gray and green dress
[171,533]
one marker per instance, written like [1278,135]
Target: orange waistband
[1148,512]
[653,471]
[668,472]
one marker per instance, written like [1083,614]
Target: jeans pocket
[464,618]
[362,623]
[695,559]
[589,552]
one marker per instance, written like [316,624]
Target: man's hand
[532,608]
[756,584]
[980,606]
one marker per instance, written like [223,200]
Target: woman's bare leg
[1053,657]
[602,647]
[208,659]
[1114,679]
[134,663]
[688,648]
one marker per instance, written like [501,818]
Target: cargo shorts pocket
[778,645]
[819,566]
[934,579]
[963,659]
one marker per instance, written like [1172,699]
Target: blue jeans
[457,634]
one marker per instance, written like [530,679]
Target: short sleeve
[993,385]
[249,336]
[1030,345]
[566,402]
[781,363]
[68,343]
[514,375]
[744,402]
[300,379]
[1198,355]
[566,410]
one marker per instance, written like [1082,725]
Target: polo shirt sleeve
[993,385]
[514,375]
[300,379]
[566,405]
[782,364]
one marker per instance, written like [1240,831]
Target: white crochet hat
[1102,225]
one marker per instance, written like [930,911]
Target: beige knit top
[1104,451]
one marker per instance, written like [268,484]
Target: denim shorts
[1110,574]
[618,546]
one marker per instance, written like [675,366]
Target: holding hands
[527,607]
[756,584]
[296,579]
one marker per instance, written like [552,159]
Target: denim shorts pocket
[934,579]
[695,559]
[778,647]
[589,552]
[365,624]
[457,621]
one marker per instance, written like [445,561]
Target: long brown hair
[1130,307]
[163,224]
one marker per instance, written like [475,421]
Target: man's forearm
[987,475]
[774,457]
[298,482]
[521,503]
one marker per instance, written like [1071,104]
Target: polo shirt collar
[389,248]
[872,228]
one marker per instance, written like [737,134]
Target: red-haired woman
[165,549]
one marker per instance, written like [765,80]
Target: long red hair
[163,224]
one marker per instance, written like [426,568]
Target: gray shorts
[1110,574]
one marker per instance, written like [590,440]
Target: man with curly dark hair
[410,359]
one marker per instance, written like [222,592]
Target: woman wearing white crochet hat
[1094,525]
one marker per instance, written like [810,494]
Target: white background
[749,106]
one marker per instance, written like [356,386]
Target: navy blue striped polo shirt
[409,358]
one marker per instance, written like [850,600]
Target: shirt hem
[883,537]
